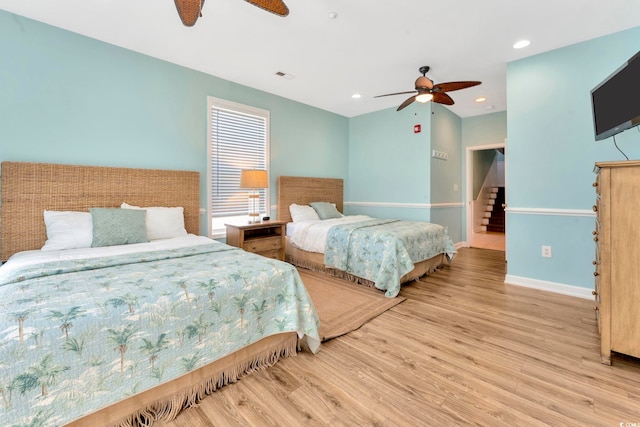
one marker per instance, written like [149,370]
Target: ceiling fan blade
[442,98]
[397,93]
[189,11]
[274,6]
[407,102]
[451,86]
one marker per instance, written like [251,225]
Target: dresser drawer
[263,244]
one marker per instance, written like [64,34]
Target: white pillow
[67,230]
[303,213]
[162,223]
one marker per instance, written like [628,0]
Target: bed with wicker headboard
[305,190]
[30,188]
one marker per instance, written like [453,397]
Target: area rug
[341,305]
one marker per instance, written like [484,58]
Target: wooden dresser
[617,260]
[263,238]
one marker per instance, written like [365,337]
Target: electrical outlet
[546,251]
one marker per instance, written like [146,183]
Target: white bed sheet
[312,235]
[25,258]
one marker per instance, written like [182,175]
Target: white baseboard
[559,288]
[527,282]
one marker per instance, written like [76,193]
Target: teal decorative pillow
[115,226]
[326,210]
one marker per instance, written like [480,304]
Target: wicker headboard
[304,190]
[30,188]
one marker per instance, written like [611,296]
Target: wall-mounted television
[616,101]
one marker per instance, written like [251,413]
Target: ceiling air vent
[285,75]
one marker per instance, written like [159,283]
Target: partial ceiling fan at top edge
[190,10]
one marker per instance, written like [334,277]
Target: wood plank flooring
[463,349]
[488,240]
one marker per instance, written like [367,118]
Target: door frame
[469,181]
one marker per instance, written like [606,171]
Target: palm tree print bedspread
[384,250]
[76,336]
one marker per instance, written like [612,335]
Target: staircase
[494,212]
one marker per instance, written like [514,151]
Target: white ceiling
[373,47]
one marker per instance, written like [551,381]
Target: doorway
[486,196]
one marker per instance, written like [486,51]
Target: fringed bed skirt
[315,262]
[166,401]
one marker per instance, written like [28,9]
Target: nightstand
[263,238]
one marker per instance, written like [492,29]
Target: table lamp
[254,179]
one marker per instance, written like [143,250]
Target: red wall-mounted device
[417,128]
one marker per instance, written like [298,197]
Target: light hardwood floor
[463,349]
[488,240]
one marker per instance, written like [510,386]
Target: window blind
[238,141]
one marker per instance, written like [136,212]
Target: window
[238,138]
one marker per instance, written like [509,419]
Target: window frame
[218,103]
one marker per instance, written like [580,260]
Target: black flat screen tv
[616,101]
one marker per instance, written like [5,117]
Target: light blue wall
[69,99]
[487,129]
[551,153]
[393,175]
[65,98]
[482,161]
[446,136]
[446,198]
[389,164]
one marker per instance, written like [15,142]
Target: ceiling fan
[427,91]
[191,10]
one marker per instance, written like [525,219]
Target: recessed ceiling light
[522,43]
[481,99]
[333,15]
[356,96]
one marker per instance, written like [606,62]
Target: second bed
[376,252]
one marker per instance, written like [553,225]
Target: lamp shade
[253,178]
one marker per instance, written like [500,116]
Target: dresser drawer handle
[594,293]
[594,262]
[595,184]
[595,208]
[595,273]
[595,307]
[595,239]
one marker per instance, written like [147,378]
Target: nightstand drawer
[274,254]
[263,244]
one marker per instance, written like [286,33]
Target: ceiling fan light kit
[426,90]
[191,10]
